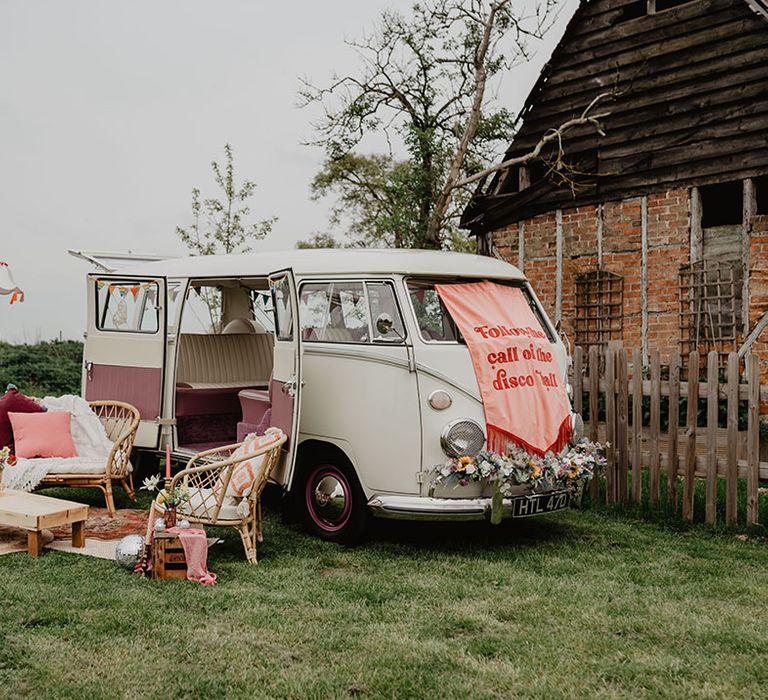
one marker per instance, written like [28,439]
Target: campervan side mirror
[384,324]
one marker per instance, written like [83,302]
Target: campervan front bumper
[462,509]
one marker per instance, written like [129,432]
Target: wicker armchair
[120,421]
[207,476]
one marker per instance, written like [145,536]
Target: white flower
[150,483]
[470,469]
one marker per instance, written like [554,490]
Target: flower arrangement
[168,498]
[566,470]
[6,460]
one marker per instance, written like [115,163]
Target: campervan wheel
[334,505]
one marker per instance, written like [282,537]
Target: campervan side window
[127,306]
[346,312]
[281,303]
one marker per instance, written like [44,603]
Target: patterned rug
[99,528]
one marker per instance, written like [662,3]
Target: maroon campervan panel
[139,386]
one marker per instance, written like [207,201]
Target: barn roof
[666,60]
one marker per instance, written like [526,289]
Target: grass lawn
[576,604]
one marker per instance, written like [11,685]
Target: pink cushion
[43,434]
[14,400]
[245,473]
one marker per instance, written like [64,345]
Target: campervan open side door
[286,372]
[124,353]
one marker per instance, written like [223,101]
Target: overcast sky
[110,113]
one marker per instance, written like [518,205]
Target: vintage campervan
[350,352]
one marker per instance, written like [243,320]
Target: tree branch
[552,135]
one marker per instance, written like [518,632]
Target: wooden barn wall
[692,105]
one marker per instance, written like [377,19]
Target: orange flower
[466,460]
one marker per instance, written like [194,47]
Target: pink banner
[520,380]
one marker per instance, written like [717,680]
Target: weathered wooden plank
[637,424]
[733,115]
[690,431]
[610,412]
[578,379]
[753,438]
[731,484]
[684,43]
[667,43]
[655,426]
[608,24]
[657,125]
[674,420]
[700,466]
[594,384]
[703,388]
[742,53]
[622,433]
[711,490]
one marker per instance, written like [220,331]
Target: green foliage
[224,228]
[319,240]
[374,199]
[417,84]
[46,369]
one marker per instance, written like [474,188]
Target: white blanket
[91,444]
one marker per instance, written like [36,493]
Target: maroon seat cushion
[13,401]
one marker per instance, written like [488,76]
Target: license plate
[528,506]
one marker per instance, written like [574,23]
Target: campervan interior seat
[224,361]
[211,371]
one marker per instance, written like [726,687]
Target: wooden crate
[168,559]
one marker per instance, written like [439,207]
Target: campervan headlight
[462,437]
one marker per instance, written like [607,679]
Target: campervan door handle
[290,387]
[89,370]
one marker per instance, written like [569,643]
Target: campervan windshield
[434,321]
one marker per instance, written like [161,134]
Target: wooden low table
[34,513]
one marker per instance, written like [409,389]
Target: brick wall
[758,288]
[668,241]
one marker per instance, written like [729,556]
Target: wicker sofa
[120,421]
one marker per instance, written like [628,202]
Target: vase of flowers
[6,460]
[167,498]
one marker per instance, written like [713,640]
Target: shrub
[46,369]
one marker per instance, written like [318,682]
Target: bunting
[124,290]
[8,285]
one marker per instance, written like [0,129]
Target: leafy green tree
[320,240]
[220,224]
[422,84]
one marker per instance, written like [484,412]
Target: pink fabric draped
[520,381]
[195,544]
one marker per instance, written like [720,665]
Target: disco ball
[128,551]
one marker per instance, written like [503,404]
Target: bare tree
[424,85]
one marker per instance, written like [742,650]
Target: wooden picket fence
[612,387]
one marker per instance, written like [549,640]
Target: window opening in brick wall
[721,204]
[710,306]
[761,194]
[599,312]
